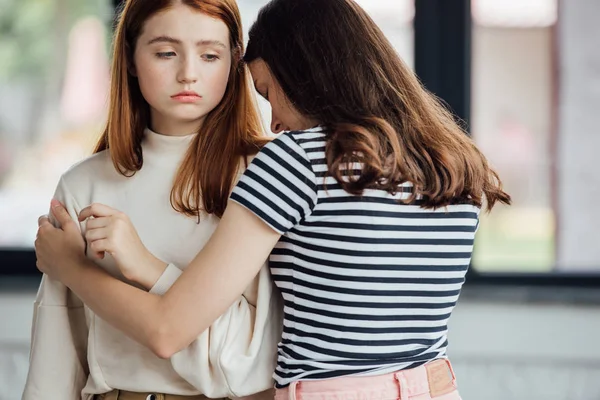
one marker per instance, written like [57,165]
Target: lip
[186,96]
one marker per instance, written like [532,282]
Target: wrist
[72,267]
[152,271]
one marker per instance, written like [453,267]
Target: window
[534,114]
[513,122]
[53,92]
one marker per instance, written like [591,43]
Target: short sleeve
[279,186]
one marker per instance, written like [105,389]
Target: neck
[158,146]
[171,127]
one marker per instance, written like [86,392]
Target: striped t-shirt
[368,283]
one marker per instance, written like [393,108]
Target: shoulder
[316,134]
[305,138]
[82,176]
[88,167]
[297,144]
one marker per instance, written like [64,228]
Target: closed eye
[166,54]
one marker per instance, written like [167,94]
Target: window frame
[442,31]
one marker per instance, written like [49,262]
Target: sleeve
[280,185]
[58,356]
[236,356]
[166,280]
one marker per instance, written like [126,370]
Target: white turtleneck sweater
[75,354]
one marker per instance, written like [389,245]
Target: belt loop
[292,390]
[451,371]
[402,385]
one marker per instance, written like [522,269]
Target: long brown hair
[230,131]
[336,67]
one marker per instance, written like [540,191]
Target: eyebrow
[168,39]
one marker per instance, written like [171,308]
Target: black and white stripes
[368,283]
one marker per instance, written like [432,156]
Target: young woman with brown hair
[182,122]
[367,209]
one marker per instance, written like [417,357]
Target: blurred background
[522,75]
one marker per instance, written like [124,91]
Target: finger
[96,234]
[96,210]
[95,223]
[43,220]
[61,214]
[100,246]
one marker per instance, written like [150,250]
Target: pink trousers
[432,381]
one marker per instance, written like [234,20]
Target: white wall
[579,135]
[516,351]
[500,350]
[16,310]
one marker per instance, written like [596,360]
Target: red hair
[230,131]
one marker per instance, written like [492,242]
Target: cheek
[284,113]
[152,81]
[295,119]
[216,84]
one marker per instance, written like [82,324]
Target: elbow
[162,343]
[163,351]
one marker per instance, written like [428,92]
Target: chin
[188,116]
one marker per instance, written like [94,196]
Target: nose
[276,125]
[188,71]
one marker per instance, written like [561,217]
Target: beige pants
[125,395]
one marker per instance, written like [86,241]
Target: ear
[238,56]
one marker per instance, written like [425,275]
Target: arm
[237,354]
[58,356]
[277,191]
[213,281]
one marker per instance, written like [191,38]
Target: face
[182,61]
[284,116]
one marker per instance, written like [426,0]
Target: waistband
[435,378]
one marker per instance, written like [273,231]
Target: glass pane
[513,123]
[53,92]
[395,18]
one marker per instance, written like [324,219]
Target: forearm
[211,283]
[153,269]
[133,311]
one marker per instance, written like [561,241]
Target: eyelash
[166,54]
[169,54]
[213,57]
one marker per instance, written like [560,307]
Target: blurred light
[402,11]
[515,13]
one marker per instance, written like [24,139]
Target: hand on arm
[213,281]
[110,231]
